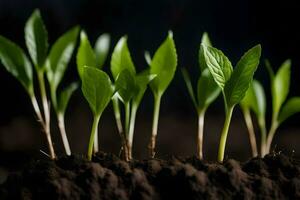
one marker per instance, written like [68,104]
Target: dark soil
[275,176]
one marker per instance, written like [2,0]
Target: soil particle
[275,176]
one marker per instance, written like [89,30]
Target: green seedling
[87,56]
[131,88]
[233,83]
[282,108]
[255,101]
[207,91]
[164,65]
[98,91]
[56,65]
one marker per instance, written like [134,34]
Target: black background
[233,26]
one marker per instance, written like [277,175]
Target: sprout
[233,83]
[207,92]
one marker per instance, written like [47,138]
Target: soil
[275,176]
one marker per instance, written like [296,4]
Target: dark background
[234,27]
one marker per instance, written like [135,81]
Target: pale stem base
[200,134]
[152,144]
[92,137]
[251,132]
[62,129]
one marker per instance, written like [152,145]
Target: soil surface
[275,176]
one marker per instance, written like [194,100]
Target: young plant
[233,83]
[255,101]
[16,62]
[131,88]
[164,65]
[56,65]
[282,108]
[87,56]
[207,92]
[98,91]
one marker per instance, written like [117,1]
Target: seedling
[233,83]
[87,56]
[131,88]
[207,92]
[164,65]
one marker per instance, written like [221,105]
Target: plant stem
[263,133]
[46,113]
[92,137]
[249,124]
[271,134]
[127,121]
[157,100]
[62,129]
[224,133]
[200,133]
[131,129]
[117,114]
[37,109]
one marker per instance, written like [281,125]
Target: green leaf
[65,96]
[291,107]
[36,38]
[270,70]
[121,59]
[97,89]
[101,49]
[142,80]
[280,85]
[241,78]
[218,64]
[59,57]
[147,57]
[164,65]
[205,41]
[207,90]
[126,85]
[16,62]
[189,86]
[85,55]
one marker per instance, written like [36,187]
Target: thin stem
[157,100]
[224,134]
[131,129]
[200,134]
[92,137]
[46,113]
[127,118]
[62,129]
[117,114]
[96,143]
[249,124]
[37,109]
[263,133]
[271,134]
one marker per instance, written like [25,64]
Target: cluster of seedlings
[128,87]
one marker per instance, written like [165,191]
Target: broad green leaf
[16,62]
[36,38]
[207,90]
[65,96]
[291,107]
[97,89]
[126,85]
[59,57]
[218,64]
[121,59]
[280,85]
[85,55]
[241,78]
[147,57]
[205,41]
[101,49]
[164,65]
[189,86]
[142,80]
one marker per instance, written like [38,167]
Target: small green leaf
[205,41]
[142,80]
[85,54]
[270,70]
[218,64]
[291,107]
[280,85]
[189,86]
[241,78]
[164,65]
[147,57]
[65,96]
[207,90]
[16,62]
[97,89]
[125,85]
[101,49]
[59,57]
[36,38]
[121,59]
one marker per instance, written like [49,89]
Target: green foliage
[101,49]
[291,107]
[64,97]
[126,85]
